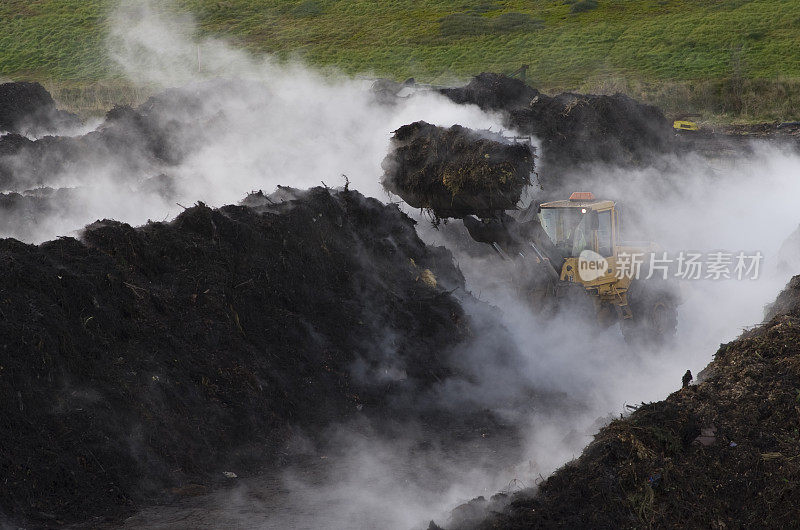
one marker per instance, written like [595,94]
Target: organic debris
[687,378]
[138,361]
[719,454]
[456,171]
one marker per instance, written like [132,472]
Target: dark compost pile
[29,108]
[574,129]
[719,454]
[456,171]
[160,132]
[140,359]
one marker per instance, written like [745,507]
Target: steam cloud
[266,123]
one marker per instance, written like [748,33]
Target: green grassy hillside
[697,53]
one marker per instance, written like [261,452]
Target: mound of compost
[719,454]
[574,129]
[493,92]
[160,132]
[22,214]
[138,359]
[456,171]
[29,109]
[129,139]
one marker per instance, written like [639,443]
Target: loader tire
[655,314]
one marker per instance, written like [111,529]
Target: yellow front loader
[578,242]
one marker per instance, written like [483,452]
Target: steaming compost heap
[29,108]
[456,171]
[720,454]
[138,359]
[159,132]
[574,129]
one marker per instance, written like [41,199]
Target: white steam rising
[750,206]
[270,123]
[292,127]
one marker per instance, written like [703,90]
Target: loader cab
[581,223]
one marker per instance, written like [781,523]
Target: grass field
[738,58]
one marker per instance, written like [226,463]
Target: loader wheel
[655,315]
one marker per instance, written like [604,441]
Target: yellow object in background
[685,125]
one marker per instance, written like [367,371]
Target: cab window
[568,229]
[604,243]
